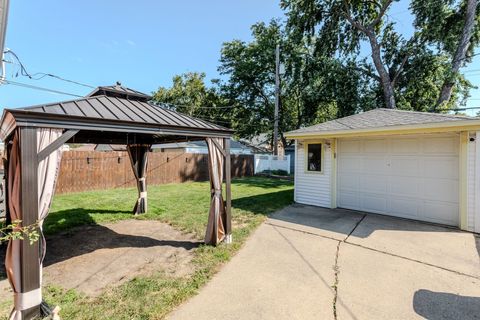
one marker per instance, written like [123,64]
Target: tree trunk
[385,81]
[460,53]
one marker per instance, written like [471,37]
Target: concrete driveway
[314,263]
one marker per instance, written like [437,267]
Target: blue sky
[142,44]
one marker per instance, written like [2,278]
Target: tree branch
[381,13]
[352,21]
[407,55]
[260,91]
[399,69]
[368,73]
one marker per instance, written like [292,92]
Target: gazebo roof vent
[119,91]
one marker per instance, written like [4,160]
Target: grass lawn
[184,206]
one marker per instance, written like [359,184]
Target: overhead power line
[25,85]
[40,75]
[463,109]
[191,106]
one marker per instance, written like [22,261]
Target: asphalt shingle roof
[378,118]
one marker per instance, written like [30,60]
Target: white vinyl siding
[471,188]
[313,188]
[412,176]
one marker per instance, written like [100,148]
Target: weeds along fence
[94,170]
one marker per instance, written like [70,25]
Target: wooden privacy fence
[93,170]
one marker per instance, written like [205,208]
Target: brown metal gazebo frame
[33,137]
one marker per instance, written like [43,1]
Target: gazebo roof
[111,109]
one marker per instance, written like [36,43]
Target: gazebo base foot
[228,239]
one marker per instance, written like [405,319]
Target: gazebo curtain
[12,258]
[47,176]
[138,154]
[217,215]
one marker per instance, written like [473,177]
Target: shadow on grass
[264,203]
[66,219]
[262,182]
[87,239]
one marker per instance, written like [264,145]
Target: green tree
[453,28]
[251,83]
[313,89]
[190,95]
[339,28]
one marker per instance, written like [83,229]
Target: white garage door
[403,176]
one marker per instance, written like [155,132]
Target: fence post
[288,163]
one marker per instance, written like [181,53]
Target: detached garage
[413,165]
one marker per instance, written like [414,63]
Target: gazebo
[33,138]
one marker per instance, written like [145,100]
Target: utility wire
[190,106]
[40,75]
[25,85]
[463,109]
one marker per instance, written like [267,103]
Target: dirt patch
[92,258]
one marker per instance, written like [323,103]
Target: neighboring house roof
[197,144]
[260,142]
[384,120]
[100,147]
[111,147]
[85,147]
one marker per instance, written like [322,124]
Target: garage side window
[314,159]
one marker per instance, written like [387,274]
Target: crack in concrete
[415,260]
[379,251]
[336,271]
[336,268]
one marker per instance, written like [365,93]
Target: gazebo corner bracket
[56,144]
[219,147]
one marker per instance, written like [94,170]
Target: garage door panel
[441,212]
[373,203]
[405,165]
[373,184]
[405,146]
[441,145]
[441,167]
[405,186]
[350,146]
[348,182]
[440,189]
[374,164]
[349,200]
[375,146]
[350,164]
[405,207]
[409,176]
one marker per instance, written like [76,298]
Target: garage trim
[463,180]
[333,182]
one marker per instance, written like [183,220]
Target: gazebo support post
[30,253]
[228,192]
